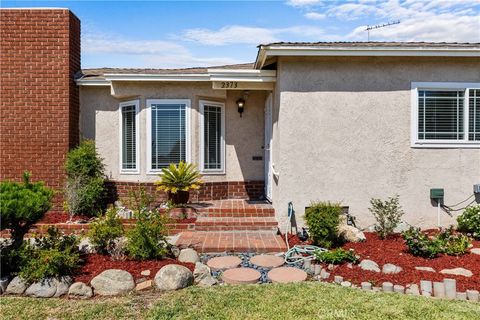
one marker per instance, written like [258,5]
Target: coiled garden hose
[299,254]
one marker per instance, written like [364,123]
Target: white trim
[362,51]
[202,139]
[464,143]
[188,141]
[136,103]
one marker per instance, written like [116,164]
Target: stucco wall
[99,120]
[342,133]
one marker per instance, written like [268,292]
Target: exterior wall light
[240,105]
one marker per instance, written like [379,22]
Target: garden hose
[298,254]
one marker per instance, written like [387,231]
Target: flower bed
[393,250]
[96,264]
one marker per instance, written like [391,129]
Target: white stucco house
[339,121]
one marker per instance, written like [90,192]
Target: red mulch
[293,240]
[96,263]
[61,217]
[393,250]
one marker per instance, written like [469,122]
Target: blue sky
[168,34]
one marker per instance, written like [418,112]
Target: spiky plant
[181,177]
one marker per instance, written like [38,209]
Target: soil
[94,264]
[393,250]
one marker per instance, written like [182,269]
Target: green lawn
[294,301]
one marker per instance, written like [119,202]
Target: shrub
[336,256]
[447,242]
[469,221]
[104,231]
[322,219]
[453,244]
[84,189]
[388,214]
[147,239]
[53,255]
[181,177]
[21,205]
[419,244]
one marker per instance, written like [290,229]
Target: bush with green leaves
[147,239]
[85,186]
[388,214]
[446,241]
[336,256]
[53,255]
[322,219]
[21,205]
[469,221]
[105,230]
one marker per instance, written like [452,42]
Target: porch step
[234,208]
[236,224]
[233,241]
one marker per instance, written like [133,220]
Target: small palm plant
[178,180]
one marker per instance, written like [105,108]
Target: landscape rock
[472,295]
[338,279]
[85,246]
[387,287]
[207,281]
[428,269]
[188,255]
[50,287]
[458,272]
[80,290]
[346,284]
[412,289]
[369,265]
[366,285]
[439,289]
[398,288]
[113,282]
[350,233]
[145,273]
[16,286]
[390,268]
[401,227]
[201,271]
[461,296]
[144,285]
[173,277]
[3,284]
[324,274]
[475,251]
[426,288]
[450,288]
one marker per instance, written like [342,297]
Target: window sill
[445,145]
[213,173]
[136,172]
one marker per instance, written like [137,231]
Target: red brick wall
[209,191]
[39,103]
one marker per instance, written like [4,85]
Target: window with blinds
[440,115]
[168,134]
[129,138]
[212,144]
[474,115]
[446,114]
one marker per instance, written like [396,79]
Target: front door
[268,147]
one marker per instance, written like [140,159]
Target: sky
[178,34]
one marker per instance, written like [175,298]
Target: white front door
[268,147]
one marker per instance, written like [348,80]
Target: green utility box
[436,193]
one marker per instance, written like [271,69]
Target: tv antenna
[378,26]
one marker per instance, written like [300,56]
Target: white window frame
[188,142]
[121,105]
[463,143]
[202,137]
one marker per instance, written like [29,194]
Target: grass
[293,301]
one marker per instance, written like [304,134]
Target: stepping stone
[241,276]
[428,269]
[227,262]
[267,261]
[286,275]
[458,272]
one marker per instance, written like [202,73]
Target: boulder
[80,290]
[369,265]
[62,286]
[85,246]
[350,233]
[457,272]
[390,268]
[3,284]
[188,255]
[207,281]
[51,287]
[16,286]
[201,271]
[173,277]
[113,282]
